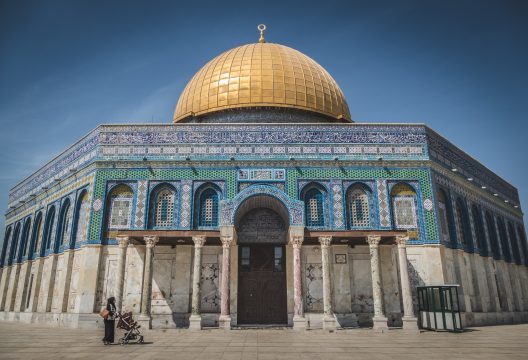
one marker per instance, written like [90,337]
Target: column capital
[401,240]
[226,241]
[296,241]
[151,241]
[199,240]
[123,241]
[325,241]
[373,240]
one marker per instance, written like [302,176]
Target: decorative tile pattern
[210,294]
[314,287]
[337,196]
[383,204]
[185,204]
[141,202]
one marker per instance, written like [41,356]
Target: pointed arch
[206,205]
[445,217]
[64,229]
[7,239]
[480,235]
[48,229]
[503,240]
[403,200]
[358,203]
[14,244]
[119,207]
[464,227]
[35,236]
[314,196]
[492,233]
[162,206]
[25,239]
[82,210]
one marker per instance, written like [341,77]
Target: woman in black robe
[109,322]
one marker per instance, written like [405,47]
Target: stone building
[262,203]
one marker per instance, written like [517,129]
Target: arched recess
[207,206]
[7,239]
[119,208]
[48,229]
[445,217]
[522,240]
[514,244]
[504,240]
[82,212]
[262,219]
[25,239]
[36,239]
[492,233]
[64,229]
[358,206]
[14,244]
[404,206]
[315,198]
[480,234]
[464,227]
[162,207]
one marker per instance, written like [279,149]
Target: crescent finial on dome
[261,28]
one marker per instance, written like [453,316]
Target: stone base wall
[491,292]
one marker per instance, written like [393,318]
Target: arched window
[503,240]
[25,238]
[207,212]
[14,244]
[358,211]
[492,233]
[443,218]
[314,206]
[83,210]
[64,230]
[120,207]
[480,235]
[48,227]
[35,237]
[522,240]
[7,239]
[404,206]
[162,207]
[464,228]
[514,244]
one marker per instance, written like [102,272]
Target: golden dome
[262,75]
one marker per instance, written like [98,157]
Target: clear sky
[459,66]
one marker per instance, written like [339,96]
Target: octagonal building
[262,204]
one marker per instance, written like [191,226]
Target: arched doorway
[262,227]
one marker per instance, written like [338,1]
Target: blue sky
[458,66]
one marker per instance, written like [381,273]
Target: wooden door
[262,285]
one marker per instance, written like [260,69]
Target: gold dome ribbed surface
[262,74]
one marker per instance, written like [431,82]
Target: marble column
[195,321]
[409,320]
[329,322]
[379,320]
[299,322]
[150,242]
[122,242]
[225,314]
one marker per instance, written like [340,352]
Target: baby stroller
[131,327]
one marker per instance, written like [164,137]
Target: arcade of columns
[329,322]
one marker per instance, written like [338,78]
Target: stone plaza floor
[30,341]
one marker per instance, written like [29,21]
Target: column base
[410,323]
[145,321]
[299,322]
[380,324]
[329,322]
[224,322]
[195,322]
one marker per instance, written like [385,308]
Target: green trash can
[438,308]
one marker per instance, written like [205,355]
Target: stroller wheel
[124,342]
[140,341]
